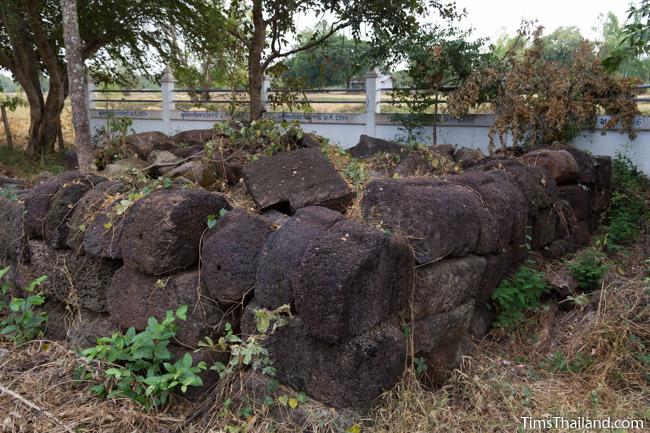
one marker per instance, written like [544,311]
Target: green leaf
[187,360]
[37,282]
[262,320]
[181,312]
[4,271]
[212,221]
[9,329]
[16,304]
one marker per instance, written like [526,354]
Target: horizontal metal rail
[318,91]
[127,91]
[127,100]
[210,91]
[185,101]
[177,101]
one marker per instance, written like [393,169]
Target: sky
[491,18]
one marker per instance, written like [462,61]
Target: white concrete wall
[345,129]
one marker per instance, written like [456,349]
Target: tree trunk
[255,66]
[44,115]
[5,121]
[59,138]
[256,81]
[206,82]
[76,75]
[49,127]
[34,51]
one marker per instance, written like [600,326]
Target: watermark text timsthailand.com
[581,423]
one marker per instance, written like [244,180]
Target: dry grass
[512,376]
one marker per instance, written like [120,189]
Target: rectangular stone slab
[292,180]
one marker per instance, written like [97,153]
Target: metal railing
[391,96]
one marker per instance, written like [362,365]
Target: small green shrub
[113,138]
[627,212]
[588,268]
[22,323]
[140,364]
[355,173]
[559,363]
[249,353]
[517,296]
[4,289]
[261,136]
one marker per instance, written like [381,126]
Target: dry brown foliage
[540,101]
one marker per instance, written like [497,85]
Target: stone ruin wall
[429,253]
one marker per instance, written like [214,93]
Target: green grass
[17,163]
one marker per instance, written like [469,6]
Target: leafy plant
[437,58]
[420,365]
[559,363]
[519,295]
[10,103]
[355,173]
[113,137]
[22,322]
[212,219]
[140,365]
[635,40]
[4,288]
[249,353]
[9,192]
[627,211]
[261,136]
[588,268]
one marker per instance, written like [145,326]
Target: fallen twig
[34,407]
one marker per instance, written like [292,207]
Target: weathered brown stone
[230,255]
[350,374]
[162,230]
[438,329]
[437,218]
[559,163]
[292,180]
[76,279]
[369,146]
[146,142]
[349,279]
[443,285]
[134,297]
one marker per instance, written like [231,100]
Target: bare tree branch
[275,54]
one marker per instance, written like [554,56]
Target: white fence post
[90,90]
[266,85]
[373,100]
[167,97]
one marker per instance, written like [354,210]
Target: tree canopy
[264,28]
[333,63]
[616,52]
[116,32]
